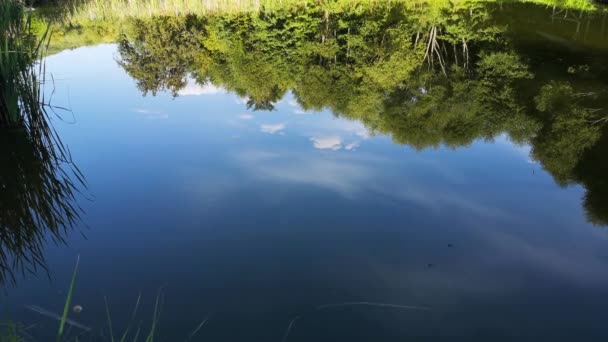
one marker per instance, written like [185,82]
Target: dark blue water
[253,219]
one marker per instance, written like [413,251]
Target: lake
[367,173]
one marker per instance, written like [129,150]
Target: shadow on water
[38,181]
[37,202]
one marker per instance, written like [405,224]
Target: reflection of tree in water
[426,76]
[260,105]
[591,172]
[162,62]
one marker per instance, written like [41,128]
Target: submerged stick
[293,321]
[197,329]
[386,305]
[336,305]
[55,316]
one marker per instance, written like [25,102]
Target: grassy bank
[91,22]
[80,11]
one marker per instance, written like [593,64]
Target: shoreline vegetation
[20,48]
[14,332]
[90,22]
[91,10]
[38,181]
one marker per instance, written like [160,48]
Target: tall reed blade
[68,302]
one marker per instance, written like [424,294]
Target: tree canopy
[425,76]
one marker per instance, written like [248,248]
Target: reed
[11,59]
[79,11]
[37,200]
[11,332]
[15,332]
[19,49]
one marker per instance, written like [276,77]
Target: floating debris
[77,308]
[55,316]
[387,305]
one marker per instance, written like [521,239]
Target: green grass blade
[150,337]
[193,333]
[124,336]
[105,300]
[68,301]
[137,333]
[11,333]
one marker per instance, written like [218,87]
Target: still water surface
[254,218]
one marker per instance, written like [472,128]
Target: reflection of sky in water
[258,216]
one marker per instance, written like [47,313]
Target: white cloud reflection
[151,114]
[272,129]
[350,175]
[341,176]
[363,133]
[334,143]
[327,143]
[242,100]
[352,146]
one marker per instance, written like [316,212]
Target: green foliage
[555,96]
[591,173]
[561,143]
[36,201]
[85,34]
[17,53]
[162,66]
[568,131]
[68,303]
[10,333]
[502,67]
[374,65]
[80,11]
